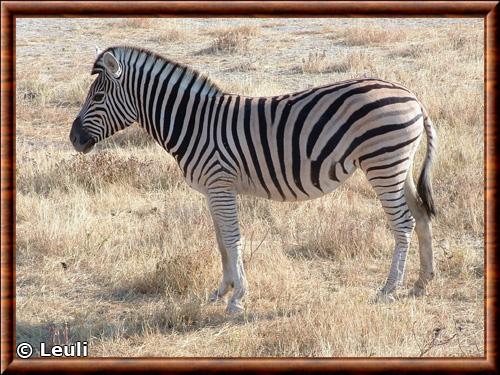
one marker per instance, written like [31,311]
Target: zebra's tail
[424,186]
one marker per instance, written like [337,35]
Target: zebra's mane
[192,72]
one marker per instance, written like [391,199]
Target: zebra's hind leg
[223,208]
[424,234]
[391,192]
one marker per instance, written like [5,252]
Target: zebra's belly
[290,192]
[309,180]
[289,197]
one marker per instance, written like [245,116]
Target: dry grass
[245,30]
[318,62]
[232,40]
[229,42]
[251,85]
[38,88]
[169,35]
[244,66]
[411,50]
[115,244]
[362,36]
[137,23]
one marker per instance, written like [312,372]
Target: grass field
[117,248]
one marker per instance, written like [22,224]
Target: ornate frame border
[10,10]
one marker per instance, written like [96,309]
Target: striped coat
[288,148]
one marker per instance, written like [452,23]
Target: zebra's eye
[98,97]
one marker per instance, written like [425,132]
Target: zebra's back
[302,146]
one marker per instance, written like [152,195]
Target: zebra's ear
[112,64]
[98,51]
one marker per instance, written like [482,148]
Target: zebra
[291,147]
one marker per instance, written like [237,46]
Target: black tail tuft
[424,186]
[424,189]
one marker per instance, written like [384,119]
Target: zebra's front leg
[225,283]
[223,208]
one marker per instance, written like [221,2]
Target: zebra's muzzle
[80,138]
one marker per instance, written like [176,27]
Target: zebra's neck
[165,95]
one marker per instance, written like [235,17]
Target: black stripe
[224,131]
[387,177]
[216,130]
[356,116]
[265,144]
[333,109]
[209,127]
[391,192]
[280,142]
[155,125]
[159,104]
[400,216]
[251,147]
[387,149]
[172,96]
[198,134]
[318,127]
[147,72]
[339,134]
[180,115]
[119,114]
[139,97]
[385,166]
[410,219]
[131,76]
[207,167]
[313,97]
[295,98]
[274,105]
[381,130]
[386,186]
[181,150]
[123,104]
[234,131]
[392,199]
[208,105]
[399,205]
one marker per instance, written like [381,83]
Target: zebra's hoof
[417,292]
[234,308]
[215,297]
[384,298]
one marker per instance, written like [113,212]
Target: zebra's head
[108,107]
